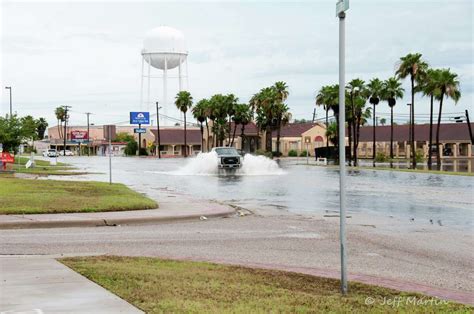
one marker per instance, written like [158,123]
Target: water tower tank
[164,43]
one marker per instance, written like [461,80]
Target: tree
[383,121]
[183,102]
[230,103]
[332,134]
[413,66]
[391,91]
[356,89]
[322,99]
[448,85]
[41,126]
[28,128]
[218,114]
[242,116]
[199,113]
[263,104]
[281,110]
[61,117]
[123,137]
[429,87]
[11,133]
[374,89]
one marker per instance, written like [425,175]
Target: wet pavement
[433,199]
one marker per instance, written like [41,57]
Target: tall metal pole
[88,135]
[65,129]
[342,151]
[139,139]
[110,155]
[10,90]
[158,142]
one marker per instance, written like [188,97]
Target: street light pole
[88,135]
[158,140]
[341,7]
[10,89]
[65,129]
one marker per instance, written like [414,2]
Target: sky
[87,54]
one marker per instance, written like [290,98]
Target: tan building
[300,137]
[455,141]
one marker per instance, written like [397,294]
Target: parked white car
[68,153]
[50,153]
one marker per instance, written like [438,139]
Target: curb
[107,222]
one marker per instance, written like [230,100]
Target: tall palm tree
[429,87]
[183,102]
[230,104]
[281,110]
[242,116]
[362,114]
[374,88]
[61,117]
[355,88]
[322,100]
[448,85]
[199,113]
[412,65]
[392,90]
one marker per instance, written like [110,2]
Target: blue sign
[139,130]
[139,117]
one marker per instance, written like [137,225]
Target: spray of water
[206,164]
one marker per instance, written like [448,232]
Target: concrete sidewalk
[40,284]
[170,210]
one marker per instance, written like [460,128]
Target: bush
[419,156]
[131,148]
[143,152]
[292,153]
[276,154]
[303,153]
[381,157]
[262,152]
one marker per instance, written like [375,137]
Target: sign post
[341,7]
[139,118]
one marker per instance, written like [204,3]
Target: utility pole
[469,126]
[158,140]
[341,7]
[314,114]
[110,155]
[10,89]
[88,135]
[409,136]
[65,128]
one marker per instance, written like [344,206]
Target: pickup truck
[228,158]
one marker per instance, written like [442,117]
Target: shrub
[292,153]
[131,148]
[262,152]
[143,152]
[381,157]
[303,153]
[276,154]
[419,156]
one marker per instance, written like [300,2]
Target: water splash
[206,164]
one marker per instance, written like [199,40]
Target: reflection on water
[304,189]
[450,165]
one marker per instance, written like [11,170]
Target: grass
[43,167]
[167,286]
[24,196]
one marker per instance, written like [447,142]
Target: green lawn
[42,167]
[24,196]
[167,286]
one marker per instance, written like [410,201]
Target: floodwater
[302,189]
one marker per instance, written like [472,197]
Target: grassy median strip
[43,167]
[24,196]
[156,286]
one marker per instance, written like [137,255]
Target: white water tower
[164,49]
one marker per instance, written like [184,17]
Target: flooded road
[444,200]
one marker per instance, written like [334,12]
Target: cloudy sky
[87,54]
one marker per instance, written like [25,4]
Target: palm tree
[374,88]
[183,102]
[281,110]
[61,117]
[355,89]
[448,85]
[429,87]
[392,90]
[41,126]
[242,116]
[383,121]
[362,114]
[322,100]
[230,104]
[199,113]
[413,66]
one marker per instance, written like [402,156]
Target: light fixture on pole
[158,141]
[341,7]
[10,89]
